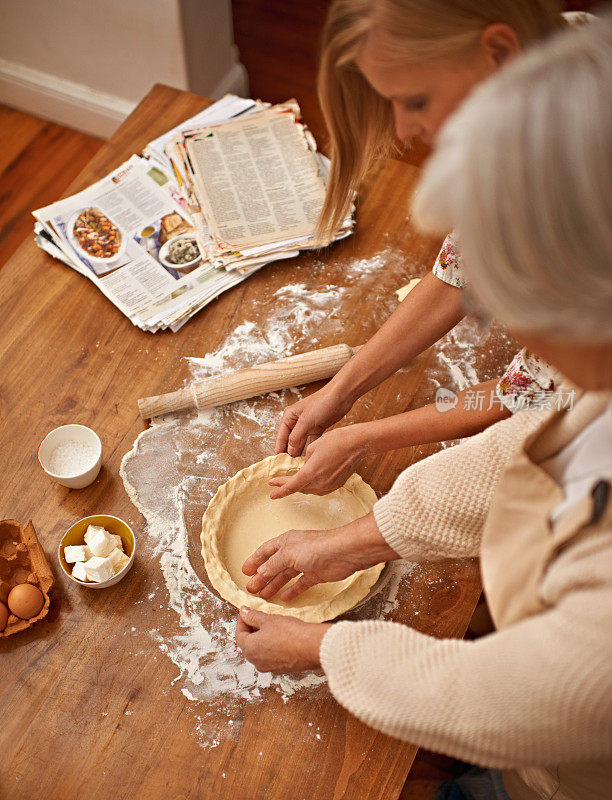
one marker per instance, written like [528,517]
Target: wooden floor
[39,159]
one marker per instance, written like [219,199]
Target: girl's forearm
[476,409]
[431,309]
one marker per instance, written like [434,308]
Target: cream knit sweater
[437,508]
[536,693]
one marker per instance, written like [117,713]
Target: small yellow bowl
[75,534]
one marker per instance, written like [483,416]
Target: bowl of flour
[71,455]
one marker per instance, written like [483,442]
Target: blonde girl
[396,69]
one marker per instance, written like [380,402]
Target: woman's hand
[308,418]
[275,643]
[330,461]
[321,556]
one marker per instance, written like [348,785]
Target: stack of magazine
[206,205]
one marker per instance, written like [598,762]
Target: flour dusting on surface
[172,472]
[176,465]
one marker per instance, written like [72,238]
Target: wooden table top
[86,713]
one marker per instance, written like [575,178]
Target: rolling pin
[260,379]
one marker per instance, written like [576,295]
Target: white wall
[87,64]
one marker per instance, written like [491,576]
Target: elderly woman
[531,201]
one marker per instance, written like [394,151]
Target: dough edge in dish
[357,586]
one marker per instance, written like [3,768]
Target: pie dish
[241,517]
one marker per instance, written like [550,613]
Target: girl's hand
[275,643]
[330,461]
[308,418]
[320,556]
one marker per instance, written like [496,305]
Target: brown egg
[25,600]
[4,615]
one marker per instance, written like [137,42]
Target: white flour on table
[176,465]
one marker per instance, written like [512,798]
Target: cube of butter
[78,571]
[119,559]
[91,532]
[101,544]
[99,569]
[117,540]
[76,552]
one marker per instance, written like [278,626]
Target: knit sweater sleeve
[538,692]
[437,507]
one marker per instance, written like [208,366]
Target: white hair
[523,174]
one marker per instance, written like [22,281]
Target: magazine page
[228,107]
[257,179]
[133,239]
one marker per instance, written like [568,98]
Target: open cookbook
[206,205]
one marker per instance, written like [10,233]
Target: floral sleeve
[448,264]
[527,381]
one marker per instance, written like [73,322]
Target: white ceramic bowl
[75,534]
[163,253]
[71,433]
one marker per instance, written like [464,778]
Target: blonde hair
[360,121]
[526,171]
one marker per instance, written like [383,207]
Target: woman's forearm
[430,310]
[364,541]
[476,409]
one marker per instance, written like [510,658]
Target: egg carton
[22,560]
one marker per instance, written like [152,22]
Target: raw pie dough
[405,290]
[241,517]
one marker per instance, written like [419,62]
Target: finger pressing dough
[241,517]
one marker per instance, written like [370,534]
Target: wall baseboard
[235,81]
[60,100]
[77,106]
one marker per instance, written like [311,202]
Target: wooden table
[83,714]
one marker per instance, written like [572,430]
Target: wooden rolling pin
[269,377]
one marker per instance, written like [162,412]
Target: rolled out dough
[241,517]
[405,290]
